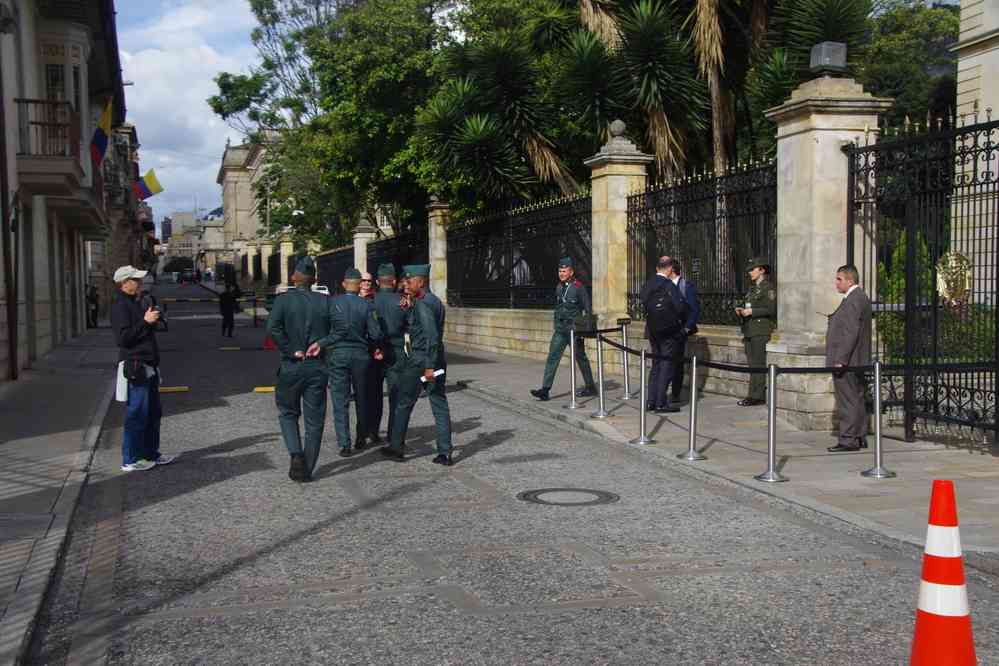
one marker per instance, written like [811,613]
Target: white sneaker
[138,466]
[165,459]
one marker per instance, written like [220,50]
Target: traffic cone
[269,343]
[943,620]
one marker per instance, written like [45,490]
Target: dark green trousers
[393,367]
[349,367]
[410,388]
[301,389]
[556,348]
[756,356]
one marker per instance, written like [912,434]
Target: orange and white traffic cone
[269,344]
[943,620]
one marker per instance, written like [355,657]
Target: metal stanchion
[643,383]
[572,371]
[771,475]
[878,471]
[601,412]
[692,454]
[254,312]
[624,359]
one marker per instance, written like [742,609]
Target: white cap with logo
[127,273]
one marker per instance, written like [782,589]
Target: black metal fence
[274,269]
[923,231]
[258,266]
[714,225]
[332,265]
[409,247]
[290,264]
[509,258]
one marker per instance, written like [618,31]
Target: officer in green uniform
[392,319]
[571,299]
[759,319]
[354,337]
[424,368]
[298,319]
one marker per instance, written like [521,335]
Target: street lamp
[828,58]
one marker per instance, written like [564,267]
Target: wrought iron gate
[923,230]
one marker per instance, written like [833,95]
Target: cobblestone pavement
[219,559]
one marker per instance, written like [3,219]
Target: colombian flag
[99,144]
[147,186]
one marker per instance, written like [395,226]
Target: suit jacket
[848,337]
[650,292]
[689,292]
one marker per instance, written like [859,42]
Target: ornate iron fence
[409,247]
[332,265]
[257,266]
[713,225]
[509,258]
[923,231]
[274,269]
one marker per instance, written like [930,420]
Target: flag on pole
[99,144]
[147,186]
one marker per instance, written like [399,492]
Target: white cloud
[173,59]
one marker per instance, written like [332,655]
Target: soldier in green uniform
[759,319]
[425,366]
[354,337]
[298,319]
[392,319]
[571,299]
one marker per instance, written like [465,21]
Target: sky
[172,50]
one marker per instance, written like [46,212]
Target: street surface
[220,559]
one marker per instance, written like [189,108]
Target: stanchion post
[254,312]
[692,454]
[572,371]
[878,471]
[601,412]
[771,475]
[643,383]
[624,359]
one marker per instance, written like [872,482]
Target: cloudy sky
[172,49]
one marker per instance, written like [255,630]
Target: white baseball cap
[127,273]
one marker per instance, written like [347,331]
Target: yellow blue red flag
[147,186]
[99,144]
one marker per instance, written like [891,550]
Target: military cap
[306,266]
[565,262]
[386,270]
[352,274]
[421,270]
[758,261]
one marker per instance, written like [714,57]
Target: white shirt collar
[675,279]
[850,290]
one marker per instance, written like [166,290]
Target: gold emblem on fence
[954,278]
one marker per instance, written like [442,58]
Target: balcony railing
[47,128]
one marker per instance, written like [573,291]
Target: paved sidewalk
[734,440]
[51,418]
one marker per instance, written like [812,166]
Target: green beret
[565,262]
[386,270]
[306,266]
[421,270]
[352,274]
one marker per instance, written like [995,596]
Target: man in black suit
[688,292]
[665,314]
[848,343]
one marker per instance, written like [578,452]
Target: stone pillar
[364,233]
[251,252]
[618,170]
[821,117]
[438,217]
[287,248]
[266,250]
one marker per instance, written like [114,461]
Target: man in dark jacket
[138,372]
[664,323]
[227,308]
[392,319]
[688,292]
[848,343]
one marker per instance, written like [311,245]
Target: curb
[18,626]
[983,561]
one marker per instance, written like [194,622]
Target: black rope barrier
[600,332]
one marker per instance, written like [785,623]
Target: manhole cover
[568,496]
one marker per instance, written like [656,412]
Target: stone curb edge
[984,561]
[19,622]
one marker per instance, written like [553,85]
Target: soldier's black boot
[360,443]
[586,391]
[541,394]
[392,453]
[443,459]
[296,470]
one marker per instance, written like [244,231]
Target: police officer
[571,299]
[298,319]
[392,319]
[759,319]
[424,368]
[354,336]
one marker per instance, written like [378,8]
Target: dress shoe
[666,409]
[586,391]
[296,470]
[541,394]
[345,452]
[394,454]
[360,443]
[862,442]
[443,459]
[375,440]
[650,406]
[750,402]
[839,448]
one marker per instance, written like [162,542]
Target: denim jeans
[142,422]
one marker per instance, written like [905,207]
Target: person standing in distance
[227,308]
[134,329]
[665,317]
[571,300]
[848,343]
[392,319]
[299,318]
[759,319]
[425,367]
[688,292]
